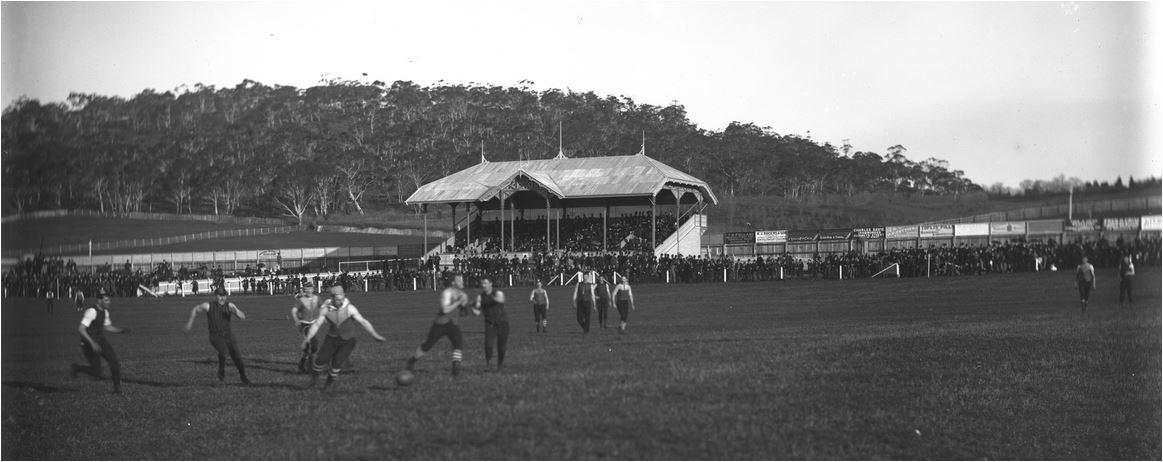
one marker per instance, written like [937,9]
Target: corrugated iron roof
[583,177]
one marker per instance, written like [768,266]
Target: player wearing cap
[341,317]
[452,300]
[304,313]
[94,323]
[219,313]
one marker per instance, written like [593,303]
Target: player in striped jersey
[341,318]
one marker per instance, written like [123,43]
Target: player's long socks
[456,357]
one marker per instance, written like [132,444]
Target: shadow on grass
[36,387]
[153,383]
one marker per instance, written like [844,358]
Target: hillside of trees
[277,150]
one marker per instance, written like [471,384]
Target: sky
[1004,91]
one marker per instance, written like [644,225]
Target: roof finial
[643,151]
[483,160]
[560,152]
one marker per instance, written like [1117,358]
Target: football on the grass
[405,378]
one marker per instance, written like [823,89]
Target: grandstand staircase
[687,240]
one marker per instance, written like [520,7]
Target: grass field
[989,367]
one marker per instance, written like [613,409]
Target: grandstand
[570,204]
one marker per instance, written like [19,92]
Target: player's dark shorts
[623,309]
[224,343]
[1084,290]
[450,330]
[334,353]
[540,313]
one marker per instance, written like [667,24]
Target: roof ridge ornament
[643,151]
[483,160]
[560,152]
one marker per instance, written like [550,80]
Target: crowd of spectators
[37,276]
[629,232]
[34,277]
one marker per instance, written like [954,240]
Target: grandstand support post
[558,247]
[653,219]
[512,225]
[678,213]
[928,265]
[501,198]
[468,223]
[548,219]
[424,210]
[605,225]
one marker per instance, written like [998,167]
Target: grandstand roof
[565,178]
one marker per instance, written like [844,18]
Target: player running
[452,301]
[219,313]
[94,323]
[303,314]
[341,318]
